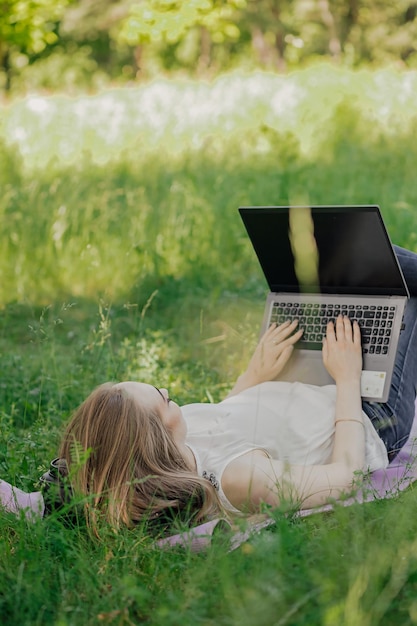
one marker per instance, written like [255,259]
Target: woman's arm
[342,357]
[270,356]
[256,478]
[249,482]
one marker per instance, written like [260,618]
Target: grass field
[122,256]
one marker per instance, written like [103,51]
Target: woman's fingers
[283,344]
[356,333]
[342,355]
[284,330]
[343,329]
[273,330]
[296,336]
[330,332]
[340,330]
[286,333]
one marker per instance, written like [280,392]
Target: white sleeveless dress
[292,422]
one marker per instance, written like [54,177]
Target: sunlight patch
[304,247]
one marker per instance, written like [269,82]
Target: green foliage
[70,68]
[73,46]
[29,24]
[27,27]
[158,20]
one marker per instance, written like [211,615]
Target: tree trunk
[204,60]
[260,46]
[5,65]
[137,60]
[279,38]
[335,47]
[350,20]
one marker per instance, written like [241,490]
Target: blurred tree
[155,22]
[95,24]
[272,25]
[83,43]
[27,27]
[386,32]
[286,33]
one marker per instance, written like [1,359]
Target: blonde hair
[125,462]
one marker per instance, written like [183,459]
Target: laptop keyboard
[375,322]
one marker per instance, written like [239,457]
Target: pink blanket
[15,500]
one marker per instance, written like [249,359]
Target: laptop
[320,261]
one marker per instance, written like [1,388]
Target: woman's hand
[342,353]
[270,356]
[273,351]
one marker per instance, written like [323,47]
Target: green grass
[122,256]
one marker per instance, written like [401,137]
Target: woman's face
[158,400]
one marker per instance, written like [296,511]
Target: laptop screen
[350,251]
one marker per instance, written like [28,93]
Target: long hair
[126,465]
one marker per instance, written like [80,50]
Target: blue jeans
[394,419]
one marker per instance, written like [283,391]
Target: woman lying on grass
[267,442]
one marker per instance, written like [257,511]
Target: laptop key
[369,314]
